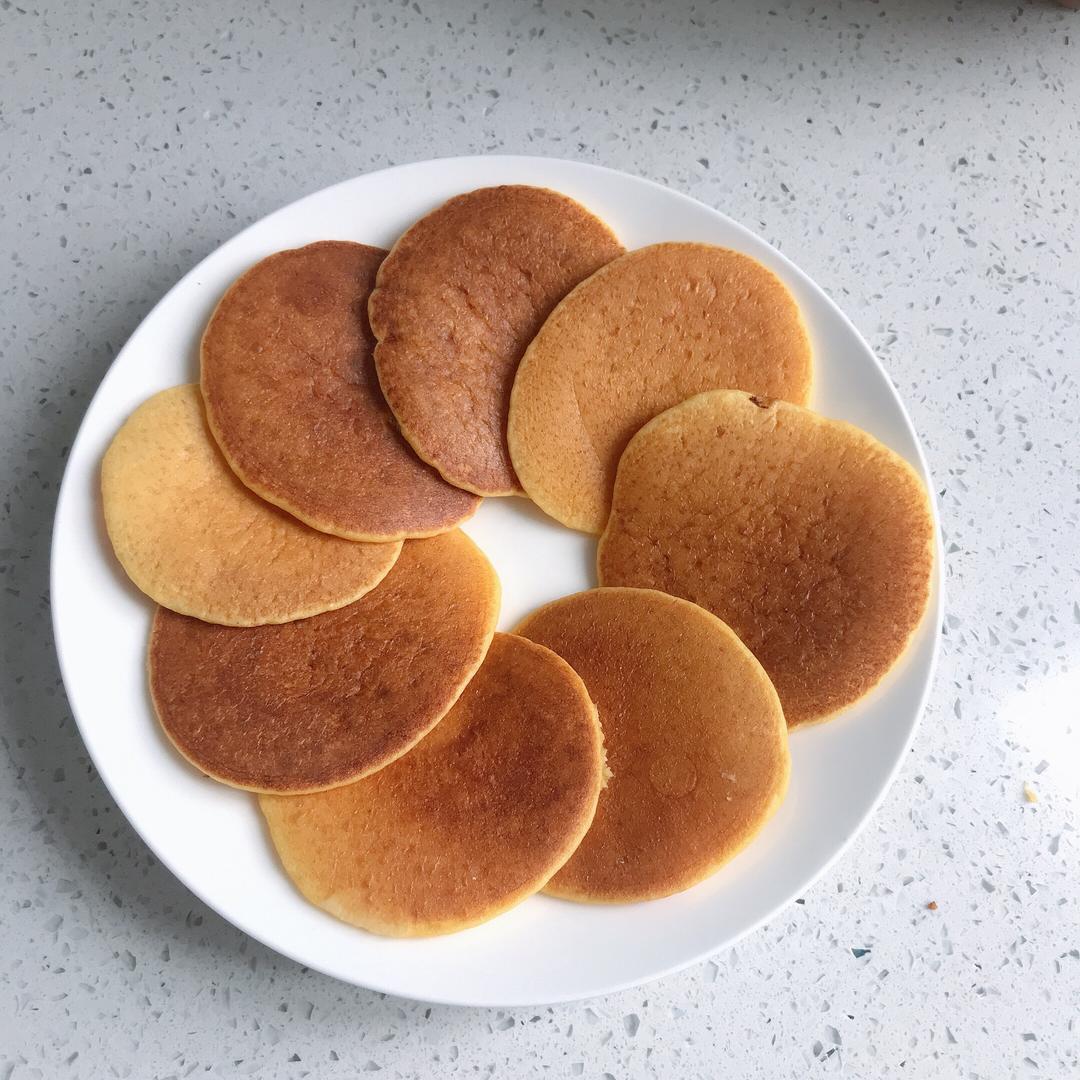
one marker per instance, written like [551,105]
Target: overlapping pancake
[810,538]
[473,820]
[324,701]
[642,334]
[695,740]
[294,402]
[457,301]
[194,539]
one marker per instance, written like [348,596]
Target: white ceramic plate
[212,837]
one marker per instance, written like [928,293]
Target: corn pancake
[194,539]
[695,740]
[642,334]
[468,824]
[294,402]
[324,701]
[810,538]
[456,302]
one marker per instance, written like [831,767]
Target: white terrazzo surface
[920,158]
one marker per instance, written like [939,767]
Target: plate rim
[933,615]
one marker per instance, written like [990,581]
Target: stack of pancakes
[325,635]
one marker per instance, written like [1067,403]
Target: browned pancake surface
[474,819]
[644,333]
[457,301]
[810,538]
[294,401]
[320,702]
[194,539]
[694,734]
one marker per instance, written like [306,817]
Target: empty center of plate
[536,558]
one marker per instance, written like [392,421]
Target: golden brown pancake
[194,539]
[811,539]
[642,334]
[457,300]
[324,701]
[695,741]
[475,819]
[294,402]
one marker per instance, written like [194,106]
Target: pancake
[644,333]
[294,402]
[475,819]
[695,740]
[324,701]
[194,539]
[811,539]
[457,301]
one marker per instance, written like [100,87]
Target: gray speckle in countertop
[920,160]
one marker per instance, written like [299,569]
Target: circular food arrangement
[326,636]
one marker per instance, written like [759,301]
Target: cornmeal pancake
[475,819]
[695,741]
[294,402]
[321,702]
[194,539]
[457,300]
[811,539]
[642,334]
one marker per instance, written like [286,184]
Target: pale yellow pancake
[321,702]
[695,741]
[294,402]
[810,538]
[472,821]
[457,300]
[642,334]
[194,539]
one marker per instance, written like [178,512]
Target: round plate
[212,837]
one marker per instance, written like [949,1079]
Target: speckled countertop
[920,159]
